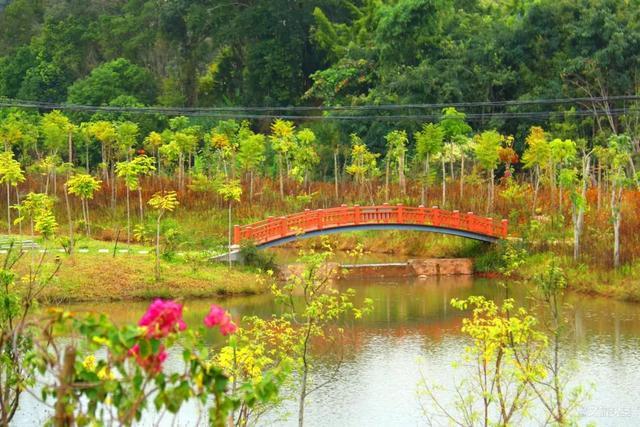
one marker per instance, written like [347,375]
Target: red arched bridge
[277,230]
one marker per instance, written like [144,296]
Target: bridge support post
[421,214]
[271,226]
[343,218]
[505,225]
[356,214]
[283,226]
[400,213]
[236,235]
[384,215]
[470,220]
[320,224]
[435,216]
[488,229]
[306,222]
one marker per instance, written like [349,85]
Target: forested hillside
[141,140]
[331,52]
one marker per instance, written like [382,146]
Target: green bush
[254,257]
[490,260]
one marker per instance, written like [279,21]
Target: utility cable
[236,113]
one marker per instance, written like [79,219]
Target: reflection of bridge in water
[275,231]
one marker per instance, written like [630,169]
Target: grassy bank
[621,284]
[94,274]
[102,277]
[102,270]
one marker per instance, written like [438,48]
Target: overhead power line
[515,103]
[245,112]
[519,102]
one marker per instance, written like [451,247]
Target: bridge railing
[274,228]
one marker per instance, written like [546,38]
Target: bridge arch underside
[364,227]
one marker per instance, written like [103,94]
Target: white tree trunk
[578,213]
[444,183]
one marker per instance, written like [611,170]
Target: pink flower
[153,362]
[228,327]
[215,317]
[163,318]
[218,316]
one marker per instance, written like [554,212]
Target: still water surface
[413,333]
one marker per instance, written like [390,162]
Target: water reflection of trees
[412,307]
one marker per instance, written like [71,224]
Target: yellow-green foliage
[257,347]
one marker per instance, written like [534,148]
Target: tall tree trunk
[105,170]
[305,373]
[552,183]
[63,417]
[616,239]
[70,142]
[157,266]
[113,189]
[86,157]
[303,393]
[181,171]
[386,182]
[229,234]
[157,155]
[335,172]
[281,176]
[578,209]
[128,217]
[599,183]
[251,186]
[140,203]
[18,203]
[560,198]
[451,162]
[69,219]
[86,217]
[423,199]
[616,215]
[536,189]
[8,208]
[461,178]
[490,192]
[401,177]
[444,183]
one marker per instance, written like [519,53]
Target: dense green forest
[327,52]
[135,135]
[376,93]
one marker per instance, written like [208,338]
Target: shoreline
[100,277]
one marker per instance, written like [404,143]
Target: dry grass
[402,243]
[200,222]
[100,277]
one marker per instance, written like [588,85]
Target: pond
[414,334]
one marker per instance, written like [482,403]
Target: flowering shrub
[219,317]
[163,318]
[153,362]
[123,375]
[259,347]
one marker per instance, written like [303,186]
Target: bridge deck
[315,221]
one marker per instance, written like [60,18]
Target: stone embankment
[421,268]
